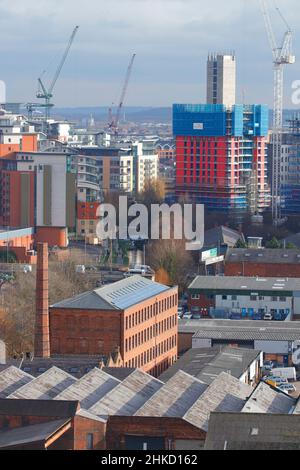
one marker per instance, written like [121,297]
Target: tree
[274,243]
[240,244]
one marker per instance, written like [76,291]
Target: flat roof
[245,284]
[242,329]
[117,296]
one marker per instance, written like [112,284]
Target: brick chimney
[41,333]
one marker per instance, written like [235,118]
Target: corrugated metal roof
[245,284]
[242,329]
[48,385]
[207,363]
[11,379]
[53,408]
[90,388]
[117,296]
[264,256]
[28,434]
[128,396]
[226,394]
[175,397]
[266,399]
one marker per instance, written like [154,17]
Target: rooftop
[11,379]
[118,296]
[254,431]
[223,235]
[263,255]
[245,284]
[207,364]
[242,329]
[267,399]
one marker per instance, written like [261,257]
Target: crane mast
[47,94]
[281,56]
[115,122]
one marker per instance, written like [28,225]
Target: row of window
[152,353]
[146,335]
[254,298]
[148,312]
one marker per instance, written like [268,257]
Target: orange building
[87,218]
[136,315]
[17,143]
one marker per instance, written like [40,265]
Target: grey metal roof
[263,255]
[48,385]
[267,399]
[245,284]
[192,362]
[30,434]
[12,378]
[128,396]
[117,296]
[90,388]
[235,361]
[253,431]
[207,363]
[21,407]
[242,329]
[175,397]
[222,235]
[225,393]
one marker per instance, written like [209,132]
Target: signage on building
[209,254]
[198,126]
[216,259]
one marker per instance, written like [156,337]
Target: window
[224,297]
[282,299]
[274,299]
[233,297]
[195,296]
[253,297]
[89,441]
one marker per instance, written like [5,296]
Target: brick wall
[262,269]
[93,332]
[168,428]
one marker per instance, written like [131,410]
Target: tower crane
[281,56]
[113,124]
[47,94]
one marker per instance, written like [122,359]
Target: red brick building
[136,315]
[264,262]
[48,425]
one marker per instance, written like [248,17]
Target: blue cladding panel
[199,120]
[237,120]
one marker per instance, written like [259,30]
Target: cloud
[171,39]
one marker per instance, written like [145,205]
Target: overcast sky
[170,37]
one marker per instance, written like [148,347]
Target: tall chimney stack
[42,333]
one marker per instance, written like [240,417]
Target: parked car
[277,380]
[268,316]
[187,316]
[268,365]
[289,388]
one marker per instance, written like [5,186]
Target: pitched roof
[12,378]
[263,255]
[207,364]
[128,396]
[117,296]
[21,407]
[225,393]
[175,397]
[267,399]
[30,434]
[48,385]
[223,235]
[90,388]
[245,284]
[253,431]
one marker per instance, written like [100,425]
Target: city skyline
[171,40]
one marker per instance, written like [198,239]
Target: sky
[170,37]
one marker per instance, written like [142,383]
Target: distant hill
[136,114]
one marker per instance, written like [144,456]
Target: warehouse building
[262,262]
[245,297]
[277,340]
